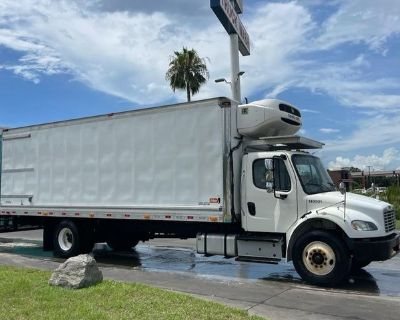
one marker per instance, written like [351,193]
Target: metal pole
[369,175]
[235,79]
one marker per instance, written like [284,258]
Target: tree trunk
[188,92]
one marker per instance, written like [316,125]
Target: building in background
[342,174]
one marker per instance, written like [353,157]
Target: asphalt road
[276,292]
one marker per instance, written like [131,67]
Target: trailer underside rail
[190,214]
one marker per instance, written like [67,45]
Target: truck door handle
[252,208]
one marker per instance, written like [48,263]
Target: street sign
[238,6]
[228,17]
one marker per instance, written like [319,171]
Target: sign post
[227,12]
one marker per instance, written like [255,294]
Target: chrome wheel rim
[65,239]
[319,258]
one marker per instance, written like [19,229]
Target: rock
[77,272]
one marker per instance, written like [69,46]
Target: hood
[369,206]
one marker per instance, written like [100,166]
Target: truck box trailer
[233,176]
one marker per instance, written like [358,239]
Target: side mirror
[342,187]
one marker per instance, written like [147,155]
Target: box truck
[235,177]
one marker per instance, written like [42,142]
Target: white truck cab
[290,208]
[326,233]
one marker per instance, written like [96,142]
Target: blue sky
[337,60]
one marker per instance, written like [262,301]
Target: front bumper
[376,249]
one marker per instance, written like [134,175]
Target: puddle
[375,280]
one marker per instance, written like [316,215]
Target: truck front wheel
[357,264]
[66,240]
[321,258]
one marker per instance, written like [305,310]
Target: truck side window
[261,175]
[282,178]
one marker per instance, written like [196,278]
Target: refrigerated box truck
[235,177]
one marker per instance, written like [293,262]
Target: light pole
[235,85]
[369,174]
[227,12]
[235,79]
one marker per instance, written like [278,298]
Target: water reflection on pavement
[377,279]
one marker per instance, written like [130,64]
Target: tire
[357,264]
[122,244]
[66,240]
[321,258]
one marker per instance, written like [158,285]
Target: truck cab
[288,199]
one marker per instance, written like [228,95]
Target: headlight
[360,225]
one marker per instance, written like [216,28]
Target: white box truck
[233,176]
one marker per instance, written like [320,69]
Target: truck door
[268,209]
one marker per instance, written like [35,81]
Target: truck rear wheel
[66,239]
[321,258]
[121,244]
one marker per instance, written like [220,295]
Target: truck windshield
[313,176]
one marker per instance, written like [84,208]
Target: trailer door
[269,209]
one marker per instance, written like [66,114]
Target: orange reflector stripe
[146,216]
[213,219]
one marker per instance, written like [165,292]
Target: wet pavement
[378,279]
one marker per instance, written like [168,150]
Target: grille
[390,220]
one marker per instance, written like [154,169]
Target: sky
[336,60]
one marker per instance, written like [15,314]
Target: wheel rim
[65,239]
[319,258]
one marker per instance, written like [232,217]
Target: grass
[25,294]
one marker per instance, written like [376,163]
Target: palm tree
[187,71]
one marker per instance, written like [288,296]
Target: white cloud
[381,130]
[120,53]
[310,111]
[123,48]
[346,82]
[377,162]
[127,53]
[365,21]
[329,130]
